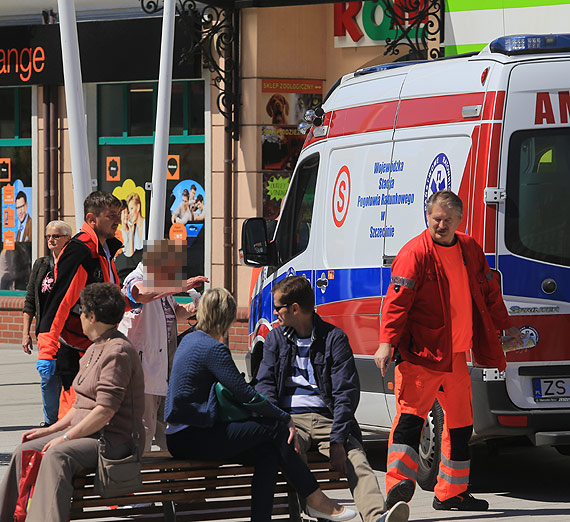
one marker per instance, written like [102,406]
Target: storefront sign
[361,24]
[117,50]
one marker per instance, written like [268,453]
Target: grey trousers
[315,429]
[153,421]
[54,487]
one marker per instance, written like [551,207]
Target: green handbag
[230,409]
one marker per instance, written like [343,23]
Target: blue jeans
[51,388]
[262,440]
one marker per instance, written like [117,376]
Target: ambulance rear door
[534,230]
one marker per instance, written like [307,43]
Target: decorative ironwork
[419,27]
[213,34]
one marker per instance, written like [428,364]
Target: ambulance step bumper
[552,438]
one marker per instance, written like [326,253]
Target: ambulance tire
[430,449]
[256,357]
[563,449]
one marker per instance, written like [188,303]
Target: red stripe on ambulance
[368,118]
[436,110]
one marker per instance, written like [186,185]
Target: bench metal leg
[169,511]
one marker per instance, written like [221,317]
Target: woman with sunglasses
[40,284]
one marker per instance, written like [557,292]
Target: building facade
[289,57]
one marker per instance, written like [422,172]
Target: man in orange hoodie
[87,258]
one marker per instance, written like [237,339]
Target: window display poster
[284,103]
[275,185]
[132,229]
[184,203]
[16,254]
[187,209]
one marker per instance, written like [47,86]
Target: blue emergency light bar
[531,44]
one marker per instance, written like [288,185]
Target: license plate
[555,389]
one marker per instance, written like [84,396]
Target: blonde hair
[216,312]
[62,226]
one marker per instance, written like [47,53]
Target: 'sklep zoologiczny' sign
[358,24]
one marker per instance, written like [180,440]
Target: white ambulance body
[494,128]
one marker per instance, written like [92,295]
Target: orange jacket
[81,262]
[416,309]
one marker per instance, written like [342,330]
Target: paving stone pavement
[520,483]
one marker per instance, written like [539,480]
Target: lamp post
[80,170]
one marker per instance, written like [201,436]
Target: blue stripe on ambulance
[523,277]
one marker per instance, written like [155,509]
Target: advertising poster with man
[16,254]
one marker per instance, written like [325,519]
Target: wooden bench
[189,490]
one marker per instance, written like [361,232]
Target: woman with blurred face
[58,233]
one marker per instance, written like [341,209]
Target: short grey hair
[62,226]
[217,311]
[445,198]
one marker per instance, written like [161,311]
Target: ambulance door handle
[322,283]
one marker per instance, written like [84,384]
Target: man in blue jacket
[308,370]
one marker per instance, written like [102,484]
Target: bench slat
[202,490]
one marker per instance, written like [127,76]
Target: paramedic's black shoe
[399,513]
[403,491]
[462,502]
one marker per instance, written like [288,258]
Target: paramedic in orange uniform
[442,302]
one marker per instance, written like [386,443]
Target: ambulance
[494,128]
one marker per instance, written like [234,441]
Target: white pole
[80,171]
[160,160]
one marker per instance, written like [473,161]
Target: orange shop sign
[22,61]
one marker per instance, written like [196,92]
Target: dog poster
[284,105]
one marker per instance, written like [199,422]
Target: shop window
[177,110]
[111,110]
[7,120]
[127,114]
[15,187]
[141,109]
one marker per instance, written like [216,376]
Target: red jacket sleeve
[406,274]
[71,278]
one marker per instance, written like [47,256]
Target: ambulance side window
[294,230]
[538,191]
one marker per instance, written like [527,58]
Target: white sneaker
[400,512]
[345,514]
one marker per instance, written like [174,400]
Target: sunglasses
[55,236]
[278,307]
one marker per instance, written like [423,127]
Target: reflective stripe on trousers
[402,464]
[453,478]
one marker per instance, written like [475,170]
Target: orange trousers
[416,389]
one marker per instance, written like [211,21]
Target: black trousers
[263,441]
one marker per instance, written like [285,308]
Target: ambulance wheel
[563,449]
[256,357]
[430,448]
